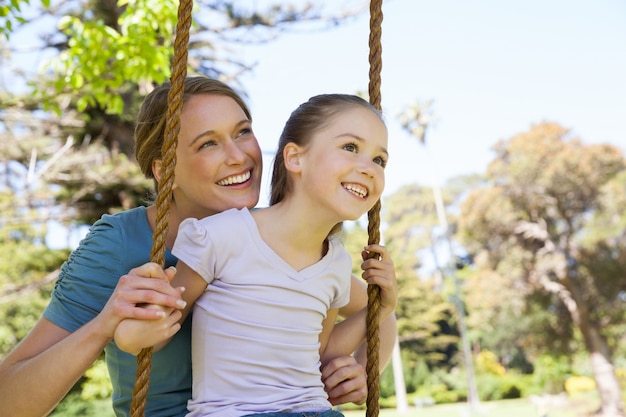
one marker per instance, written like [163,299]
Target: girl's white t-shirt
[255,338]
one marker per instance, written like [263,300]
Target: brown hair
[150,126]
[303,123]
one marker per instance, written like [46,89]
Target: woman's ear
[292,155]
[156,169]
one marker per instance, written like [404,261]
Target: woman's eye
[244,132]
[208,144]
[350,147]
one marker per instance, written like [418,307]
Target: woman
[94,291]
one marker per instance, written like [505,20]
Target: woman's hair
[304,122]
[150,126]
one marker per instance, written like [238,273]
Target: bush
[578,384]
[492,387]
[550,374]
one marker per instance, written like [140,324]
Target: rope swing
[164,196]
[373,217]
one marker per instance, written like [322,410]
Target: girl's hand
[132,335]
[380,271]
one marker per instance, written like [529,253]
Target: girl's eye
[380,161]
[350,147]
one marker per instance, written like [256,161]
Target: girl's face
[219,161]
[344,163]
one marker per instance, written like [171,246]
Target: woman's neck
[173,221]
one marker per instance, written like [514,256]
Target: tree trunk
[599,352]
[402,404]
[603,370]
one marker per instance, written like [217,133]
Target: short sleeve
[88,278]
[344,262]
[195,248]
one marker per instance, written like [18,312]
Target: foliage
[11,12]
[551,373]
[102,59]
[426,319]
[105,49]
[545,226]
[578,383]
[27,272]
[97,384]
[74,405]
[487,363]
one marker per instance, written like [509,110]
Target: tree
[546,221]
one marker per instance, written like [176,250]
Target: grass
[580,407]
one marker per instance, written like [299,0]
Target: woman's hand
[145,285]
[345,381]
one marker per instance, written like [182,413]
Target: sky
[492,69]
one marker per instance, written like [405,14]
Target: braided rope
[373,227]
[164,195]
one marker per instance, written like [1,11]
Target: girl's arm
[134,335]
[351,332]
[344,377]
[327,329]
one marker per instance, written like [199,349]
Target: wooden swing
[172,127]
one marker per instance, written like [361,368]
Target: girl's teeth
[356,190]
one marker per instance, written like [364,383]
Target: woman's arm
[49,361]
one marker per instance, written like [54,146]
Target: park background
[542,73]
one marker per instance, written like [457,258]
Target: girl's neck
[297,237]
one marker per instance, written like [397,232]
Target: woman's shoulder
[123,231]
[134,216]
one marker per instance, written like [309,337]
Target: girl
[267,283]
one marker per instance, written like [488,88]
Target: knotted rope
[164,195]
[373,227]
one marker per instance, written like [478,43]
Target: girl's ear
[292,155]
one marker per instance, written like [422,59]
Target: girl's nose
[366,166]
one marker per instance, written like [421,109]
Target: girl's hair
[310,117]
[150,126]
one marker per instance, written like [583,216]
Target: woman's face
[219,162]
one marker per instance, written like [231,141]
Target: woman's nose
[234,154]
